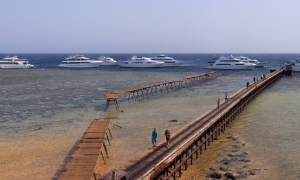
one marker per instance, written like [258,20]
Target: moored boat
[294,64]
[79,61]
[296,67]
[14,63]
[141,62]
[254,61]
[230,63]
[107,61]
[168,61]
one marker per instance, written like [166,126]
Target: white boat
[135,61]
[295,64]
[107,61]
[168,61]
[230,63]
[212,61]
[254,61]
[14,63]
[295,61]
[79,61]
[296,67]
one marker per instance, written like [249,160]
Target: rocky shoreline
[235,165]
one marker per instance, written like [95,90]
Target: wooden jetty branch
[151,89]
[81,164]
[190,141]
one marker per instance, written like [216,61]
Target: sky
[153,26]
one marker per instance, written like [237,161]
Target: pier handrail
[114,95]
[162,159]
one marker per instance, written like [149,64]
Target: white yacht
[254,61]
[296,67]
[135,61]
[14,63]
[168,61]
[230,63]
[295,64]
[295,61]
[107,61]
[79,61]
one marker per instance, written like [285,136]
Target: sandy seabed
[47,111]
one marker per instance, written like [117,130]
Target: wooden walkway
[82,162]
[187,143]
[154,89]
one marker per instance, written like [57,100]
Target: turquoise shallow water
[46,111]
[271,129]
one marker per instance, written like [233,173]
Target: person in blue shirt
[154,136]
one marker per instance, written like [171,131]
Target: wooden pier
[189,142]
[82,162]
[154,89]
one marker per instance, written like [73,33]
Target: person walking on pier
[168,135]
[218,102]
[247,84]
[254,79]
[226,97]
[154,136]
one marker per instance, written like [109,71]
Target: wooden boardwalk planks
[164,163]
[82,162]
[167,85]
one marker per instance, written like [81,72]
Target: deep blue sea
[194,62]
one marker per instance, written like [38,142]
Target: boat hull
[109,64]
[16,66]
[230,67]
[141,66]
[172,64]
[296,68]
[80,65]
[261,64]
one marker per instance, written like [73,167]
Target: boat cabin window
[231,60]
